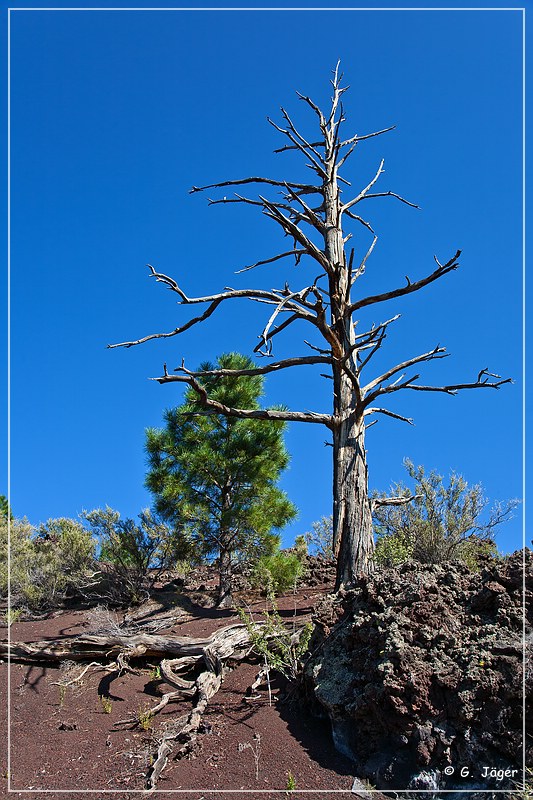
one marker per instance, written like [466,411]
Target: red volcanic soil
[64,742]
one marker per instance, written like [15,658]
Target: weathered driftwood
[224,642]
[185,730]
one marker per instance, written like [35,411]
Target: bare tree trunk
[225,599]
[352,518]
[353,541]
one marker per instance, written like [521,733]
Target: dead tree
[329,303]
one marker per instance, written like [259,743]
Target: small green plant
[107,705]
[183,567]
[277,573]
[62,689]
[144,718]
[13,615]
[300,547]
[279,648]
[291,782]
[155,674]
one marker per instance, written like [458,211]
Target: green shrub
[393,549]
[320,539]
[277,646]
[49,564]
[440,523]
[130,549]
[300,547]
[277,573]
[5,510]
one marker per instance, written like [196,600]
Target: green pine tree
[215,476]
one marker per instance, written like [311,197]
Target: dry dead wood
[224,642]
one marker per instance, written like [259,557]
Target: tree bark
[352,517]
[225,598]
[353,541]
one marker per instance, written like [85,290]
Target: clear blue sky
[115,115]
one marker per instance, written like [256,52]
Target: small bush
[49,564]
[441,523]
[106,703]
[275,644]
[320,539]
[291,782]
[300,547]
[144,717]
[128,550]
[393,549]
[277,573]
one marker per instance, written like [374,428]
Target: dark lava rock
[420,669]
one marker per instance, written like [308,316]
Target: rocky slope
[420,671]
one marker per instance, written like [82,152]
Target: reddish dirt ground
[66,742]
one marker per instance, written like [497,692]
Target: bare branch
[303,187]
[170,282]
[303,141]
[296,253]
[387,413]
[295,215]
[372,333]
[317,163]
[272,367]
[454,388]
[361,220]
[314,219]
[318,112]
[374,347]
[317,349]
[356,139]
[267,340]
[390,194]
[437,352]
[362,265]
[441,270]
[291,228]
[363,192]
[298,147]
[207,313]
[214,407]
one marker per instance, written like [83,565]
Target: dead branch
[363,192]
[297,253]
[355,139]
[181,329]
[387,413]
[441,270]
[88,646]
[437,352]
[456,387]
[390,194]
[214,407]
[305,187]
[392,501]
[272,367]
[361,269]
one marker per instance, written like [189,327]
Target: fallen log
[224,642]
